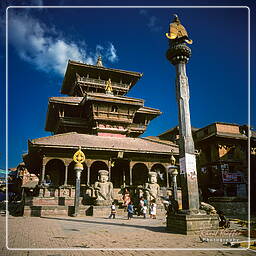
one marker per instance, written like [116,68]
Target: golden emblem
[79,157]
[109,86]
[177,31]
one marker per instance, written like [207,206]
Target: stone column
[88,175]
[174,182]
[109,169]
[43,173]
[167,178]
[188,220]
[66,175]
[130,174]
[77,192]
[179,54]
[124,178]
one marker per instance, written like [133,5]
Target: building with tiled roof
[98,117]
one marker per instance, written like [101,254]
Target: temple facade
[97,116]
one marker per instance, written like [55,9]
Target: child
[130,210]
[141,204]
[113,211]
[144,211]
[153,210]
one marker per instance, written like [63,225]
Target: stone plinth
[106,203]
[231,206]
[53,210]
[191,224]
[99,211]
[38,201]
[57,192]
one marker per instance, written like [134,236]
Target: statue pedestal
[103,203]
[191,224]
[100,211]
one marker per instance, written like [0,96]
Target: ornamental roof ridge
[105,68]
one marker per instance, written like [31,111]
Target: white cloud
[152,21]
[46,49]
[111,53]
[143,12]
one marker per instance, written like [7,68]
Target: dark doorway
[71,174]
[139,174]
[56,169]
[120,173]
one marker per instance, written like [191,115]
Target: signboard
[188,165]
[229,177]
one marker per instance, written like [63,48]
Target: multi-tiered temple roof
[97,116]
[92,109]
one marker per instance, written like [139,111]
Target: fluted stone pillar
[77,192]
[178,54]
[190,220]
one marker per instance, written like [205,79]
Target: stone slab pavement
[80,235]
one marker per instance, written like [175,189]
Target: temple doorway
[55,168]
[120,173]
[139,174]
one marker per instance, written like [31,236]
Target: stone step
[40,201]
[54,210]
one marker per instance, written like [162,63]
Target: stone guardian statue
[103,189]
[152,189]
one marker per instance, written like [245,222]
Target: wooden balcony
[98,83]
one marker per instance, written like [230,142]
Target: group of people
[142,208]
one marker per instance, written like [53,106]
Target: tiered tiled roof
[93,142]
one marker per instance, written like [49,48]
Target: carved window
[114,109]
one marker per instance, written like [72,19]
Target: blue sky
[40,41]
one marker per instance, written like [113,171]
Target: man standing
[130,210]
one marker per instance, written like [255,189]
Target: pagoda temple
[97,116]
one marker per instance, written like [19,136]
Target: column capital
[178,53]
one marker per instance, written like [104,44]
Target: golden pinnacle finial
[177,31]
[99,62]
[173,160]
[79,158]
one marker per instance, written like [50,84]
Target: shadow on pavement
[161,229]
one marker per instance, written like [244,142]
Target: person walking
[153,209]
[113,211]
[140,208]
[130,210]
